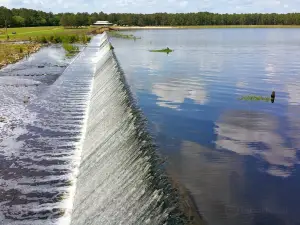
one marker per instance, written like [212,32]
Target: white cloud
[183,3]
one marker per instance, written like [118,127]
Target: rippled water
[239,159]
[37,147]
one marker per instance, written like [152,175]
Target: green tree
[18,21]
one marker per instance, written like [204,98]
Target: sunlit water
[239,159]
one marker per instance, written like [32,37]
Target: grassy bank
[62,38]
[11,53]
[29,33]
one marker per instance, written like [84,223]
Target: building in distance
[102,23]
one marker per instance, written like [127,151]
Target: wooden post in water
[273,96]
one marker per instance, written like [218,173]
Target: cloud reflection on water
[174,93]
[256,134]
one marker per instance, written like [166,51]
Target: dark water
[239,159]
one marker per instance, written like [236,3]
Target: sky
[152,6]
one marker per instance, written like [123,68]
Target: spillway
[80,153]
[119,180]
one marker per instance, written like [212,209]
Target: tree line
[30,18]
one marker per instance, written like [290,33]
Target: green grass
[27,33]
[117,34]
[63,38]
[255,98]
[70,49]
[11,53]
[166,50]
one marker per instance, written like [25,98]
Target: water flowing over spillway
[118,182]
[85,133]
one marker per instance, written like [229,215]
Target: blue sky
[150,6]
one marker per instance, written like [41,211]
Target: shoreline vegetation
[12,53]
[70,49]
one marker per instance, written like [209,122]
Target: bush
[51,39]
[83,39]
[72,38]
[71,49]
[57,39]
[43,39]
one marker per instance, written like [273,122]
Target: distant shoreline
[202,27]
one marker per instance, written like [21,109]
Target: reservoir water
[239,159]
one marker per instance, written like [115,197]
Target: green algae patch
[117,34]
[254,98]
[165,50]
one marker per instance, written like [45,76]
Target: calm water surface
[240,160]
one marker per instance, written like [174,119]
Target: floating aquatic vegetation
[117,34]
[255,98]
[166,50]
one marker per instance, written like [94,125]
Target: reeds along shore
[11,53]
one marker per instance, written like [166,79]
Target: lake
[239,159]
